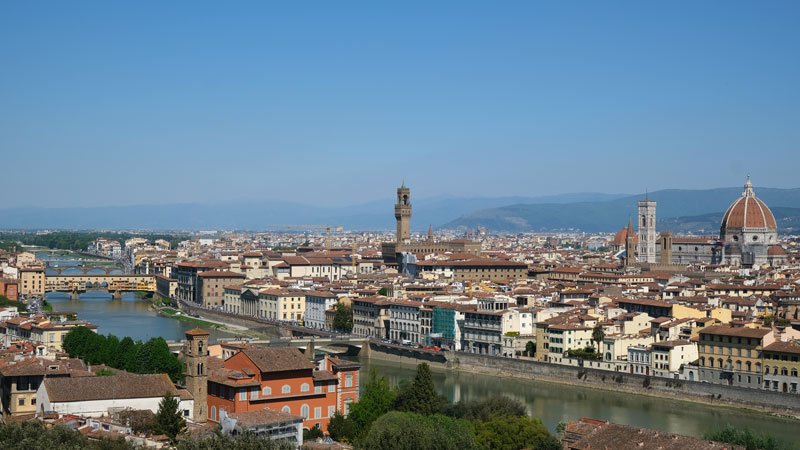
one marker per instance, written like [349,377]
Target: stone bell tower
[402,212]
[195,351]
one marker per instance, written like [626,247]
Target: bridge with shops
[115,284]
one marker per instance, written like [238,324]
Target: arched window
[286,389]
[794,372]
[286,409]
[720,364]
[766,369]
[702,361]
[738,365]
[784,371]
[304,387]
[304,411]
[748,366]
[214,413]
[267,391]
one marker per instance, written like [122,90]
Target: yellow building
[282,304]
[685,312]
[32,281]
[731,355]
[781,367]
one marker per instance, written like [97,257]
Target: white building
[317,302]
[98,396]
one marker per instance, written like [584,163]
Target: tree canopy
[377,398]
[33,435]
[243,441]
[343,319]
[169,420]
[408,431]
[153,356]
[746,437]
[420,395]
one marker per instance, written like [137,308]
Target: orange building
[282,379]
[8,288]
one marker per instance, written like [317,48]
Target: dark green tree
[598,334]
[746,437]
[314,433]
[78,342]
[343,319]
[530,348]
[513,433]
[486,410]
[169,420]
[32,435]
[243,441]
[420,395]
[409,431]
[341,428]
[378,398]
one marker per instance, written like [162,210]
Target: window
[242,395]
[348,380]
[286,409]
[214,413]
[286,389]
[22,402]
[332,387]
[304,387]
[331,411]
[254,393]
[304,411]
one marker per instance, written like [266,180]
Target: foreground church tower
[402,212]
[195,351]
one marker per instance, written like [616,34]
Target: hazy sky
[337,102]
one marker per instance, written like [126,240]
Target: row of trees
[152,356]
[414,416]
[77,240]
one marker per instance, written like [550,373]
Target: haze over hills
[684,211]
[374,215]
[611,215]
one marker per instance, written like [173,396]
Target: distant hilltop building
[748,236]
[392,251]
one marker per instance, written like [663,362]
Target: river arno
[554,403]
[127,317]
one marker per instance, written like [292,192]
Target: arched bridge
[115,284]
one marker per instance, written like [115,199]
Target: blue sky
[337,102]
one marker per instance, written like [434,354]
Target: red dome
[748,212]
[622,236]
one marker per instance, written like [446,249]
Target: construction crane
[327,229]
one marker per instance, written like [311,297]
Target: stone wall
[233,319]
[404,355]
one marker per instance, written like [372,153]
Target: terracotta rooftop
[278,359]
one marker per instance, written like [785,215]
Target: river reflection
[126,317]
[554,403]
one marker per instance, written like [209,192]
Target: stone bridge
[115,284]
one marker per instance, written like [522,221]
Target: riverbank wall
[233,319]
[712,394]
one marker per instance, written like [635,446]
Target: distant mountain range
[375,215]
[682,211]
[686,210]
